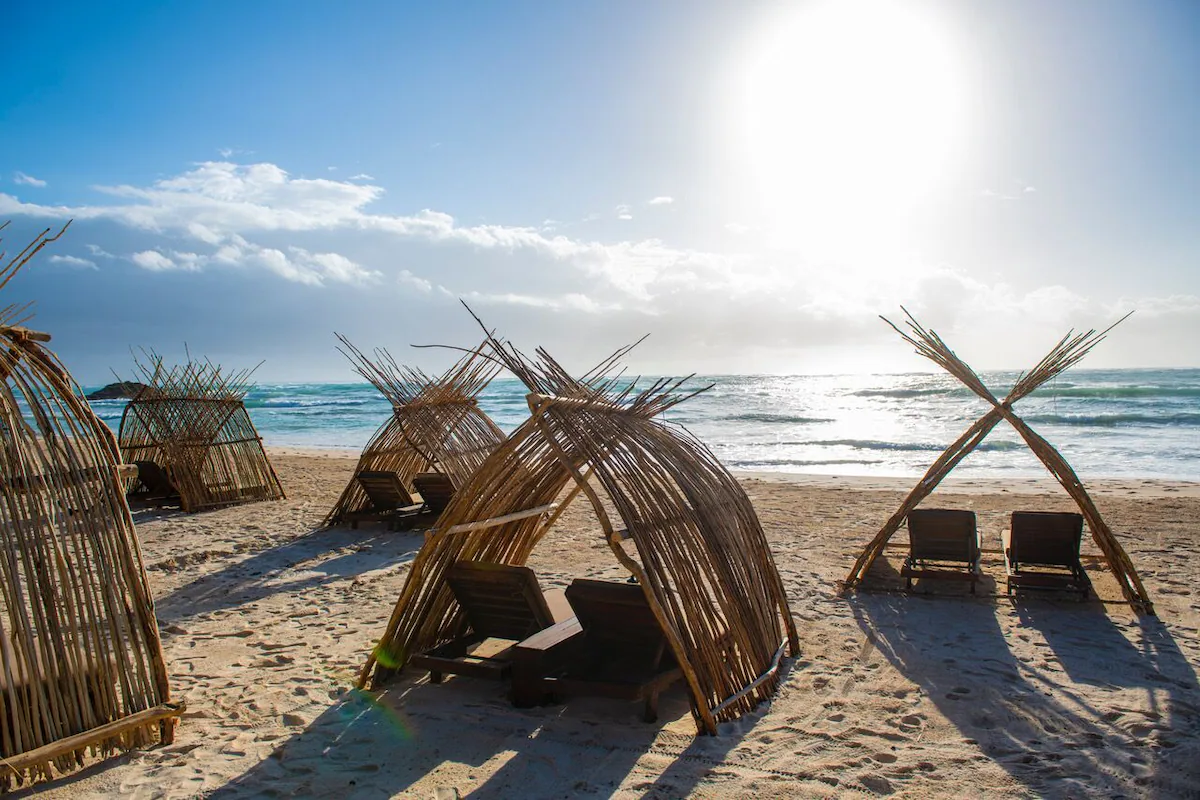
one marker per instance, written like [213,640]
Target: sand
[266,621]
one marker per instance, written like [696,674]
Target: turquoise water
[1107,423]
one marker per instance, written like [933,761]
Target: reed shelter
[190,420]
[436,424]
[1068,352]
[683,528]
[81,665]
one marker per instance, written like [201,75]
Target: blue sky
[750,183]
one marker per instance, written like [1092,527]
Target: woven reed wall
[79,646]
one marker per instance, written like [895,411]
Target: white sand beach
[266,620]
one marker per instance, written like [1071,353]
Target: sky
[750,183]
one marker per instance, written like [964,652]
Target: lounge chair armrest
[558,636]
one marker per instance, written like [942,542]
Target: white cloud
[661,200]
[362,176]
[623,211]
[323,232]
[98,251]
[73,261]
[28,180]
[153,261]
[408,279]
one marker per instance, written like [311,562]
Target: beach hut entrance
[81,665]
[1069,350]
[436,425]
[683,528]
[190,422]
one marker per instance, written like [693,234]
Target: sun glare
[849,115]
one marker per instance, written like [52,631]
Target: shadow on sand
[310,560]
[410,738]
[1133,733]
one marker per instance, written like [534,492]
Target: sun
[848,116]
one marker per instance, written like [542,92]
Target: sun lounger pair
[598,638]
[1041,549]
[392,503]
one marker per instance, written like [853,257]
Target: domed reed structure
[684,529]
[436,424]
[190,420]
[81,665]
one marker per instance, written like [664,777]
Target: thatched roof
[685,530]
[81,666]
[1068,352]
[436,423]
[191,419]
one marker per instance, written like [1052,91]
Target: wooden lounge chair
[500,602]
[390,501]
[943,543]
[1047,541]
[435,489]
[613,648]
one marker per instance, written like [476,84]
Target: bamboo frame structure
[1068,352]
[687,532]
[81,664]
[436,424]
[191,419]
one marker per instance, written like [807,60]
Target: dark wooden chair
[499,602]
[435,489]
[943,543]
[154,483]
[1041,551]
[613,648]
[390,501]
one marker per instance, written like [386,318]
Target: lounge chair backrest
[1050,538]
[500,601]
[384,490]
[617,616]
[943,534]
[435,489]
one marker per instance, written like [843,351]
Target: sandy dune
[266,621]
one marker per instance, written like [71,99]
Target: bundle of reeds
[436,423]
[81,666]
[1066,353]
[686,531]
[191,420]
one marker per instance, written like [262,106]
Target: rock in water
[117,391]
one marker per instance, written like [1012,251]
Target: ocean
[1107,423]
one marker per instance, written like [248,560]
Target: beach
[266,620]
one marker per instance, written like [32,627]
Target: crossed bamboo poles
[1068,352]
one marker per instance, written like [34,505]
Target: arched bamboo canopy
[81,665]
[191,419]
[685,530]
[1068,352]
[436,423]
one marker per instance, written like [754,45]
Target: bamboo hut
[684,529]
[191,421]
[81,666]
[1068,352]
[436,424]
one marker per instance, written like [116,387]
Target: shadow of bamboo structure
[1027,716]
[320,556]
[81,664]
